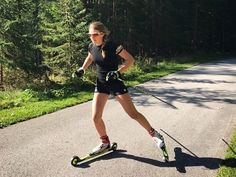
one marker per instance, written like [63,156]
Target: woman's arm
[129,61]
[87,62]
[80,72]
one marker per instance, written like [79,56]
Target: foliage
[19,34]
[63,45]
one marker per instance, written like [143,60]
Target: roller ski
[159,141]
[165,155]
[97,152]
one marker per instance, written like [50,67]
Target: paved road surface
[203,113]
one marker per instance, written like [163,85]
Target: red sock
[105,139]
[151,131]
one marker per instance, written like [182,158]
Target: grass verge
[34,109]
[228,166]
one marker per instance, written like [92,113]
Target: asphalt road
[194,110]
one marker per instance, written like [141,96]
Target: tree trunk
[154,25]
[1,77]
[194,42]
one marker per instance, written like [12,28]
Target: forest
[44,41]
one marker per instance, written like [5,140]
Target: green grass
[228,166]
[34,109]
[136,76]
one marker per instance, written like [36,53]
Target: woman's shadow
[182,160]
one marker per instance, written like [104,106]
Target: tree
[64,35]
[20,35]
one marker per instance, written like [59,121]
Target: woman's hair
[99,26]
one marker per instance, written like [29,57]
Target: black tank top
[109,63]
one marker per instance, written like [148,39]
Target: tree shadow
[199,94]
[144,91]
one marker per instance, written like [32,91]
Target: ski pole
[179,143]
[138,88]
[88,80]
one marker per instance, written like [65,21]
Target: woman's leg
[127,103]
[99,101]
[98,104]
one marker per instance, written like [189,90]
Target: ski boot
[100,148]
[99,151]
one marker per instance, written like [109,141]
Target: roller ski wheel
[76,161]
[165,155]
[114,146]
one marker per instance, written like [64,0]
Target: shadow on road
[197,96]
[200,95]
[182,160]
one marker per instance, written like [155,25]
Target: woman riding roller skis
[104,53]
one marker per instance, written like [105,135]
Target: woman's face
[96,36]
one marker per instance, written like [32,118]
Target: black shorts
[115,88]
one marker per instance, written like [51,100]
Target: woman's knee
[96,118]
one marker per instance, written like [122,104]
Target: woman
[104,53]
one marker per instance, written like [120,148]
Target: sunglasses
[94,34]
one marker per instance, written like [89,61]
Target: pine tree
[20,36]
[64,40]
